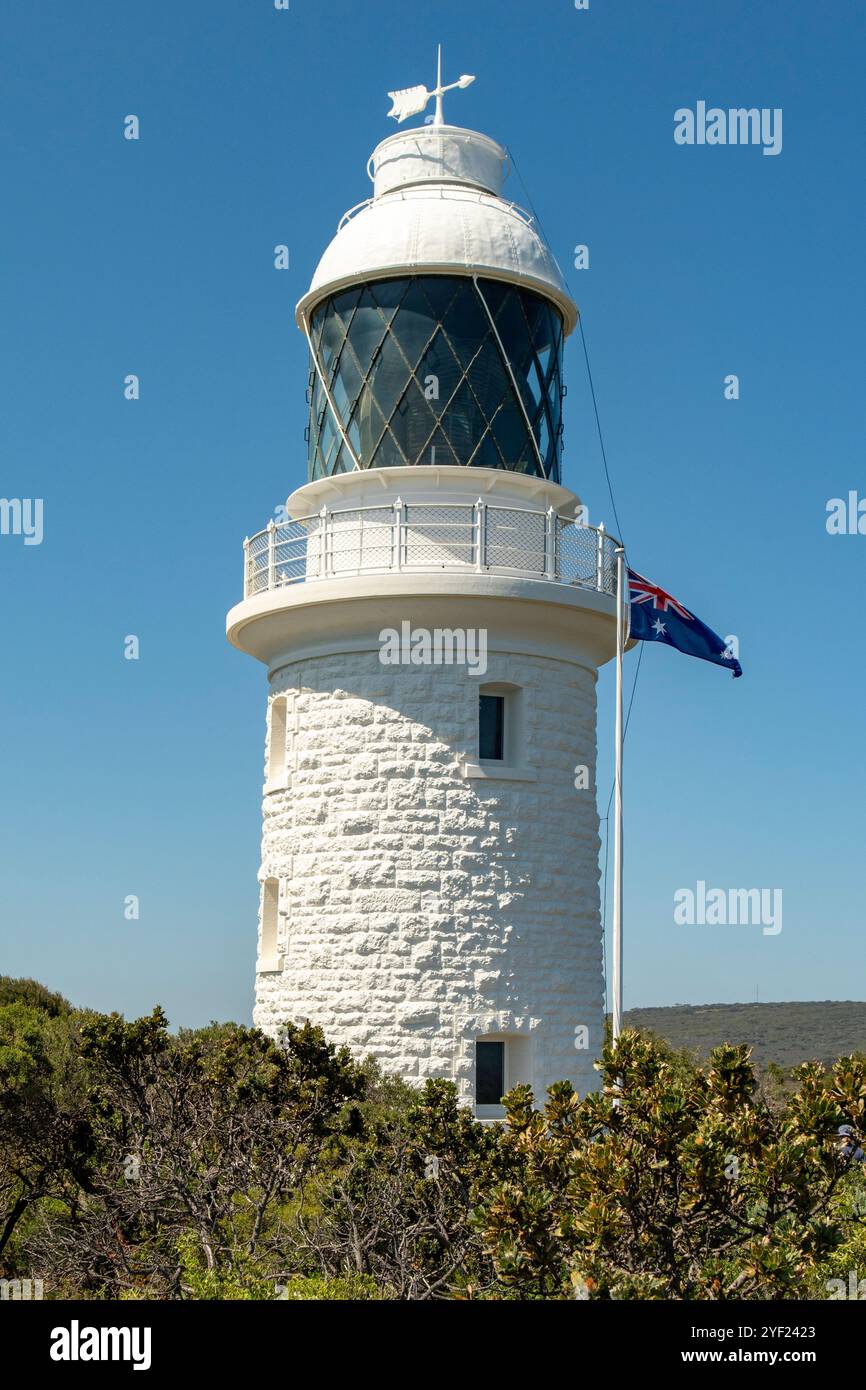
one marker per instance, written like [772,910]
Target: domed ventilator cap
[437,154]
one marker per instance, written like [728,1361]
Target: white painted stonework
[421,907]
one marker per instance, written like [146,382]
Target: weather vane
[411,101]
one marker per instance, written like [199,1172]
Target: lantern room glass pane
[412,425]
[387,295]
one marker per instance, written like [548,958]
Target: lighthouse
[432,612]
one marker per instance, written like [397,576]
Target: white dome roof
[434,218]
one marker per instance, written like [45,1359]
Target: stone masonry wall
[419,907]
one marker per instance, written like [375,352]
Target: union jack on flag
[656,616]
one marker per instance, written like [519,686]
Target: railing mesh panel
[439,537]
[296,553]
[257,570]
[516,540]
[360,540]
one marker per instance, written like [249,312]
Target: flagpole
[440,117]
[616,967]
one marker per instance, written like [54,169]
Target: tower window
[491,727]
[489,1073]
[270,917]
[277,746]
[501,746]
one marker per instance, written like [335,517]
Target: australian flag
[657,617]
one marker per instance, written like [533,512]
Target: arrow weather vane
[411,101]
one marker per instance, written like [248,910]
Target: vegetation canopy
[219,1164]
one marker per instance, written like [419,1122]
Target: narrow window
[489,1073]
[491,727]
[277,751]
[270,912]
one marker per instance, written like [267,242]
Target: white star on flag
[658,627]
[408,101]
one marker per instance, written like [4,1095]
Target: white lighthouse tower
[432,617]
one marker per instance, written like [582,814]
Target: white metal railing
[483,537]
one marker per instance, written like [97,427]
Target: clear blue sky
[156,257]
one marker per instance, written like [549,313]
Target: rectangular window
[489,1073]
[277,759]
[270,917]
[491,727]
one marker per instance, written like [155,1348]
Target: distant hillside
[784,1033]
